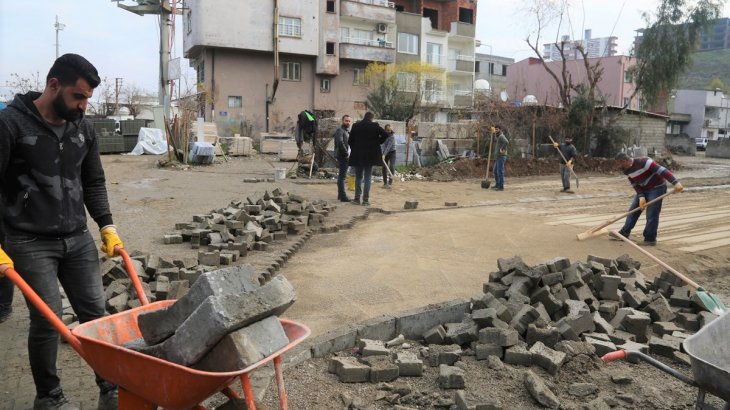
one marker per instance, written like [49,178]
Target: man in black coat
[365,139]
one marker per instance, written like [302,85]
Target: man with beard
[566,161]
[50,175]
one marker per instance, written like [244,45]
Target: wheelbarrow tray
[709,352]
[157,381]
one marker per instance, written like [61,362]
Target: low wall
[719,148]
[681,144]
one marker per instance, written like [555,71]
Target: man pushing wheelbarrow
[51,174]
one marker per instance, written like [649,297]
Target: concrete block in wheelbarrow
[245,346]
[219,315]
[158,325]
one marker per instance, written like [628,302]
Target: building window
[628,78]
[504,70]
[324,85]
[359,105]
[466,15]
[476,66]
[330,48]
[407,82]
[407,43]
[290,26]
[627,102]
[189,21]
[432,15]
[433,53]
[359,77]
[201,73]
[290,71]
[330,6]
[234,101]
[491,68]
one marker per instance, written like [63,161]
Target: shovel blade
[486,184]
[711,301]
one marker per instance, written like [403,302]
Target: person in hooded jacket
[366,137]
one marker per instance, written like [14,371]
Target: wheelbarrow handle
[133,275]
[634,357]
[46,311]
[614,356]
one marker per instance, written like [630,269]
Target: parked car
[701,144]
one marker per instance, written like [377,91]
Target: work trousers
[341,176]
[42,263]
[390,162]
[565,176]
[499,171]
[363,173]
[652,214]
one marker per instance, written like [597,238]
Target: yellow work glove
[383,158]
[678,187]
[5,262]
[642,202]
[555,145]
[570,163]
[110,239]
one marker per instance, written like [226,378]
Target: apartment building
[529,78]
[493,69]
[323,49]
[708,112]
[593,47]
[715,37]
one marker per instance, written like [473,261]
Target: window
[330,6]
[626,102]
[359,105]
[364,37]
[359,77]
[324,85]
[234,101]
[330,48]
[290,26]
[432,15]
[476,66]
[628,78]
[491,68]
[466,15]
[433,53]
[504,70]
[407,43]
[345,34]
[407,82]
[290,71]
[189,21]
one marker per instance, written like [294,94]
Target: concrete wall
[343,94]
[644,130]
[529,77]
[452,130]
[249,25]
[681,144]
[718,148]
[373,12]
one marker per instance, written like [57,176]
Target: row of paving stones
[543,315]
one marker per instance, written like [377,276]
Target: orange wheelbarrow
[147,382]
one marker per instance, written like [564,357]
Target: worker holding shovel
[567,156]
[649,181]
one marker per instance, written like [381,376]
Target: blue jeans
[565,176]
[499,171]
[341,176]
[361,173]
[42,263]
[652,214]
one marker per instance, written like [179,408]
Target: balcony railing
[436,59]
[381,3]
[367,42]
[434,97]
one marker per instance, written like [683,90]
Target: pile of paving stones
[224,235]
[544,315]
[227,321]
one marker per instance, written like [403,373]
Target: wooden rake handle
[563,157]
[623,215]
[675,272]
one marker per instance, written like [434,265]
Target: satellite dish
[481,85]
[123,111]
[529,99]
[503,95]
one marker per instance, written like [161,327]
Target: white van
[701,144]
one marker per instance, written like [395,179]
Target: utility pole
[163,9]
[58,26]
[117,86]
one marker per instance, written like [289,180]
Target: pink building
[529,77]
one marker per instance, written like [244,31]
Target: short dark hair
[70,67]
[369,116]
[345,116]
[498,126]
[622,156]
[568,137]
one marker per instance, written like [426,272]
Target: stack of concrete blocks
[543,315]
[225,235]
[225,323]
[271,142]
[207,133]
[234,146]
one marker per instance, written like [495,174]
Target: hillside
[706,66]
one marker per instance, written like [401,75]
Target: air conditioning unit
[382,28]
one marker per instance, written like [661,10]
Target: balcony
[459,29]
[380,11]
[462,98]
[367,50]
[463,64]
[434,97]
[436,60]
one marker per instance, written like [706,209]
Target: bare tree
[21,84]
[132,97]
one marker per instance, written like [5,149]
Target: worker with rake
[50,175]
[649,181]
[566,161]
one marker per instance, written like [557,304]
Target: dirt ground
[402,260]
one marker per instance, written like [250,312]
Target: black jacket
[45,182]
[365,139]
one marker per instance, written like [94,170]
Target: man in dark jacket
[342,152]
[569,153]
[365,139]
[50,175]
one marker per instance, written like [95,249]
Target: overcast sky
[123,44]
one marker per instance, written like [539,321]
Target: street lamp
[727,108]
[58,26]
